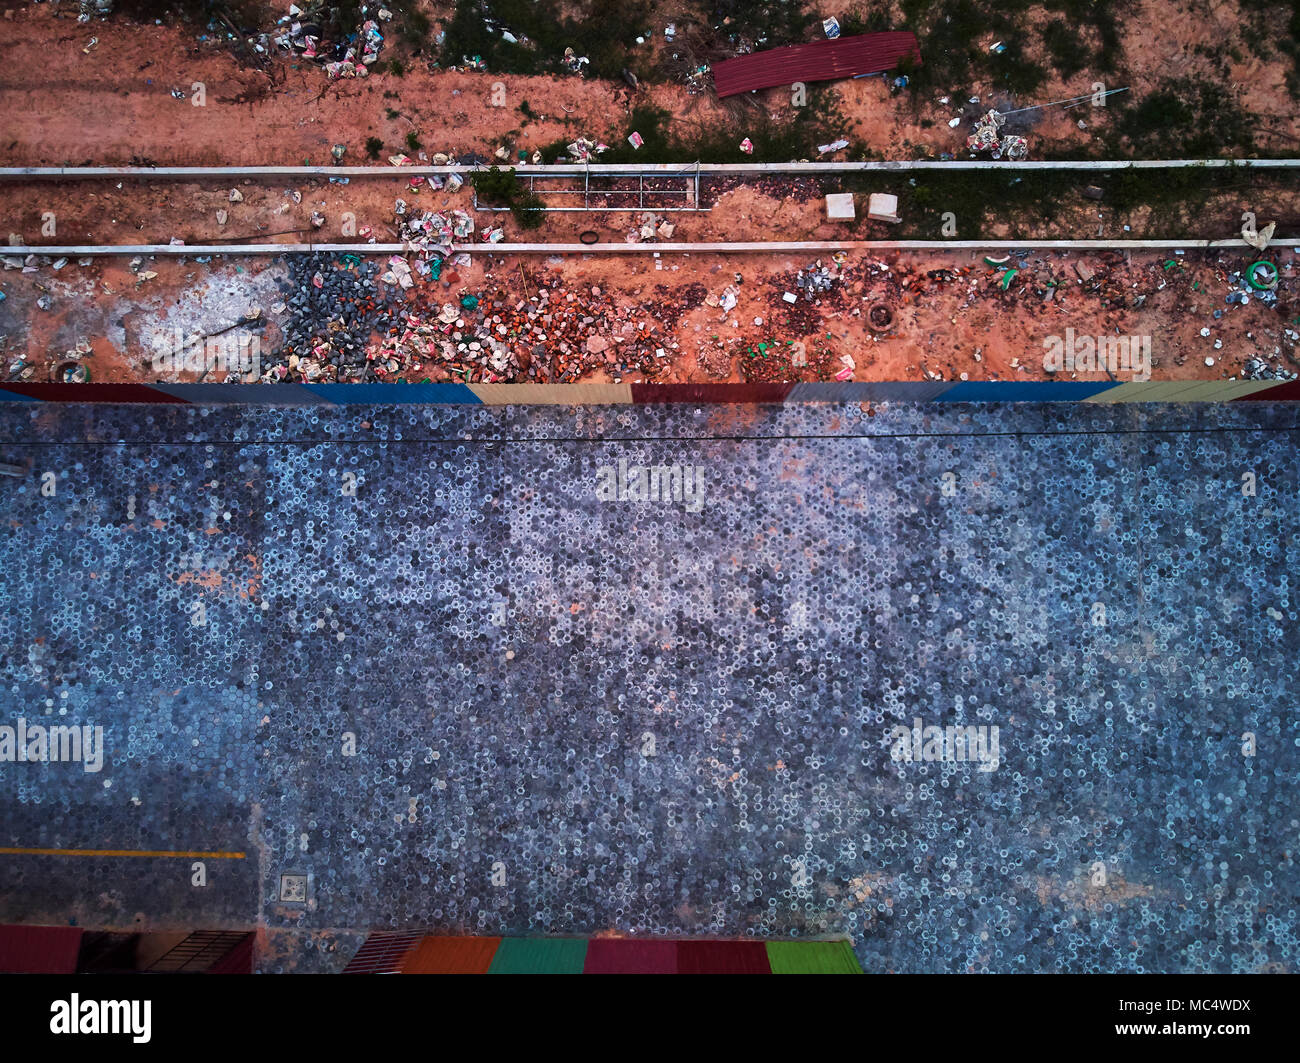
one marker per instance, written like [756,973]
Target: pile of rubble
[328,318]
[815,280]
[354,320]
[94,9]
[554,335]
[299,33]
[987,136]
[651,228]
[584,149]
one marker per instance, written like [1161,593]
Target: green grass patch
[604,31]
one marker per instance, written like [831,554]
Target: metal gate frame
[691,191]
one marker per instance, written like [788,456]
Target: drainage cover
[880,317]
[293,888]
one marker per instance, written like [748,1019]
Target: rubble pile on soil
[555,335]
[342,321]
[330,313]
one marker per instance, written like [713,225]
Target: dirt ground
[155,212]
[64,105]
[952,319]
[68,102]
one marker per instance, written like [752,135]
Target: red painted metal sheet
[711,393]
[39,949]
[722,957]
[845,57]
[624,956]
[238,960]
[1280,392]
[451,955]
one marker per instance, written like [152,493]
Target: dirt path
[952,318]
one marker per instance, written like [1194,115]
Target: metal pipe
[225,173]
[619,248]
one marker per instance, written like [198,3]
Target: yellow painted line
[180,853]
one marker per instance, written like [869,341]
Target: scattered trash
[986,136]
[1258,240]
[1263,275]
[834,145]
[635,140]
[574,62]
[747,146]
[831,26]
[584,148]
[814,280]
[1014,148]
[70,371]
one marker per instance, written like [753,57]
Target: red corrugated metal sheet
[630,956]
[711,393]
[722,957]
[439,955]
[39,949]
[238,960]
[1288,392]
[846,57]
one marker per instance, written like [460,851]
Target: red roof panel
[39,949]
[845,57]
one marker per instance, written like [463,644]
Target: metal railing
[596,199]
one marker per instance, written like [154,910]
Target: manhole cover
[293,888]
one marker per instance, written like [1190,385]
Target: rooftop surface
[664,718]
